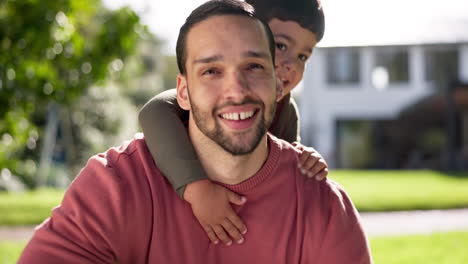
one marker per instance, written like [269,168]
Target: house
[377,61]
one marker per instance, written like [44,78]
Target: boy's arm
[167,139]
[288,121]
[311,162]
[162,122]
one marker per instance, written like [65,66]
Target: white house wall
[321,104]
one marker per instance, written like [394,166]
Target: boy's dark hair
[216,8]
[307,13]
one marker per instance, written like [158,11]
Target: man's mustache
[247,100]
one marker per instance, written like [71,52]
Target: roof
[437,103]
[394,22]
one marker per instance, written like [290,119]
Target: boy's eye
[303,57]
[280,46]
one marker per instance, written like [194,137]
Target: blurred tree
[170,72]
[51,52]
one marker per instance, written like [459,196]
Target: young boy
[297,26]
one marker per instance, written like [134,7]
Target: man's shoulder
[334,190]
[128,149]
[284,146]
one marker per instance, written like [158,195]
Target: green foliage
[403,190]
[170,72]
[438,248]
[53,51]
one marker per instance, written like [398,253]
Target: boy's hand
[311,162]
[211,206]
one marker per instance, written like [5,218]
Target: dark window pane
[343,66]
[441,64]
[395,62]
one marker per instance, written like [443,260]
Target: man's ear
[182,92]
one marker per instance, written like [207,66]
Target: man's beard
[226,141]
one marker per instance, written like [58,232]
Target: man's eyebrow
[288,38]
[208,59]
[256,54]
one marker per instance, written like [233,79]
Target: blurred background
[384,99]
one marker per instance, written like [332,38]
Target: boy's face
[294,46]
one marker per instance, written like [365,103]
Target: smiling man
[120,208]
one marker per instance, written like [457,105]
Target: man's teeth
[238,116]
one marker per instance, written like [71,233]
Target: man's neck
[222,166]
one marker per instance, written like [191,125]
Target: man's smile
[239,117]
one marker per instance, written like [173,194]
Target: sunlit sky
[373,19]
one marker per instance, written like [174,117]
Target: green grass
[438,248]
[10,251]
[370,191]
[403,190]
[28,208]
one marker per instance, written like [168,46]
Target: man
[118,210]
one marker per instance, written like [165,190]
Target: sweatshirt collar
[265,171]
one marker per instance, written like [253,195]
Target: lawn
[370,191]
[403,190]
[28,208]
[438,248]
[10,251]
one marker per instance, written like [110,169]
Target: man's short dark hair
[307,13]
[216,8]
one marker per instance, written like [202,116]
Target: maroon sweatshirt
[121,209]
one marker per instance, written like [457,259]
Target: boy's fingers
[316,168]
[303,158]
[232,231]
[211,234]
[322,175]
[219,231]
[308,165]
[235,198]
[237,222]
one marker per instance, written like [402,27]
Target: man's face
[230,84]
[294,45]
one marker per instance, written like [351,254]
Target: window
[391,63]
[343,66]
[441,64]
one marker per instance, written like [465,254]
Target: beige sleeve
[287,126]
[166,136]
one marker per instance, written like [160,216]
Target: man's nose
[236,85]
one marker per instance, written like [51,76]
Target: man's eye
[255,66]
[210,72]
[303,57]
[280,46]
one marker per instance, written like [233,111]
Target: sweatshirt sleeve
[287,126]
[88,226]
[345,240]
[162,122]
